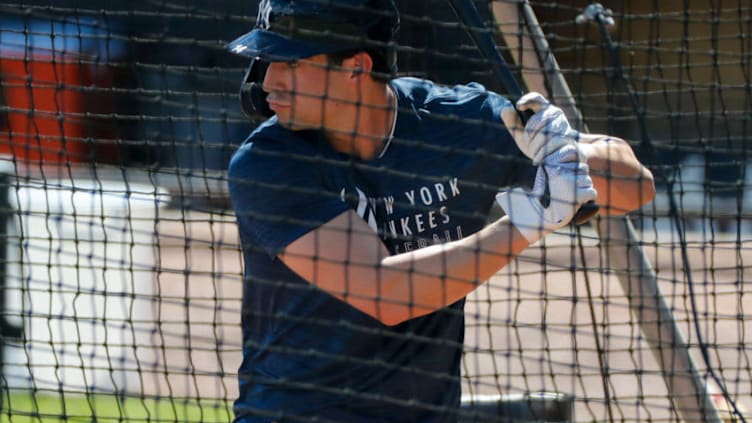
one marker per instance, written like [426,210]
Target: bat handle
[588,210]
[525,115]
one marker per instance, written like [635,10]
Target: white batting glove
[561,186]
[547,131]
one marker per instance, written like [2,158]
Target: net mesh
[122,281]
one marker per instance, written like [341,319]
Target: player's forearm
[347,259]
[622,182]
[428,279]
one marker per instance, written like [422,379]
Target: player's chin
[286,121]
[295,124]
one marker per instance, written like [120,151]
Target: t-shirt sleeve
[278,197]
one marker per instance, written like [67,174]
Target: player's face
[304,94]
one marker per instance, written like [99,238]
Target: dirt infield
[528,329]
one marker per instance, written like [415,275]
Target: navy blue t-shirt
[308,354]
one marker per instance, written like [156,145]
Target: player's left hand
[546,132]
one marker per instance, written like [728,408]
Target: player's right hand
[544,133]
[562,185]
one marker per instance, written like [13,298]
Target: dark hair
[382,70]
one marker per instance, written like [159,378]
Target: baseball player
[362,207]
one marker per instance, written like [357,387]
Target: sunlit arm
[622,182]
[347,259]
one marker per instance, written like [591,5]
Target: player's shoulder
[440,98]
[269,150]
[268,135]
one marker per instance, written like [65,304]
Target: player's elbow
[387,312]
[395,314]
[647,188]
[392,319]
[643,191]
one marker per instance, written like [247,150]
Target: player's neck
[366,130]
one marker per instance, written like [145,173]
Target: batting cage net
[122,271]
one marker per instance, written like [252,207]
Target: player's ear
[361,64]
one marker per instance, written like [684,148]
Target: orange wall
[45,118]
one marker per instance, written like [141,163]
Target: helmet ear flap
[252,96]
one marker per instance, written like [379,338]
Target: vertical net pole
[8,331]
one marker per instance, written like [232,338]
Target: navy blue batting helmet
[288,30]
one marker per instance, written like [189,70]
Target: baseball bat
[468,15]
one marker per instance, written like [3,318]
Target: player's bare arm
[622,182]
[346,258]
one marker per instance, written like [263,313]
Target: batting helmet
[288,30]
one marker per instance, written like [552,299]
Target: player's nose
[275,77]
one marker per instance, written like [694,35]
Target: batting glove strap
[558,192]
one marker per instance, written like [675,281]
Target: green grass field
[23,407]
